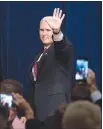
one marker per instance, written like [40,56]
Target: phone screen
[81,69]
[6,99]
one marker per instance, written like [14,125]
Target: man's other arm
[63,48]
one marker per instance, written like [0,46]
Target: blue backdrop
[19,37]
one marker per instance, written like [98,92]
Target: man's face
[45,33]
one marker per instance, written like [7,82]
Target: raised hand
[55,21]
[24,105]
[20,101]
[91,80]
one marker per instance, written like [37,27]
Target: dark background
[19,37]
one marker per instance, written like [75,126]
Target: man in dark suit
[51,71]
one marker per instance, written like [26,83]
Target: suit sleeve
[31,96]
[31,92]
[64,54]
[63,51]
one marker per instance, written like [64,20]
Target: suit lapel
[30,68]
[41,63]
[44,60]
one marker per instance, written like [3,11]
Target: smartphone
[81,69]
[6,100]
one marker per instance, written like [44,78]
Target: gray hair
[82,115]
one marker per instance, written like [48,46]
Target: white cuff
[58,37]
[96,96]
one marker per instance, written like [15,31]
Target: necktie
[35,69]
[35,64]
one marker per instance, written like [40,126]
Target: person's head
[82,115]
[4,115]
[45,33]
[8,86]
[80,92]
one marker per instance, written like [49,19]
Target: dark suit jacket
[51,122]
[53,83]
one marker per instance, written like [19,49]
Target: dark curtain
[84,28]
[19,37]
